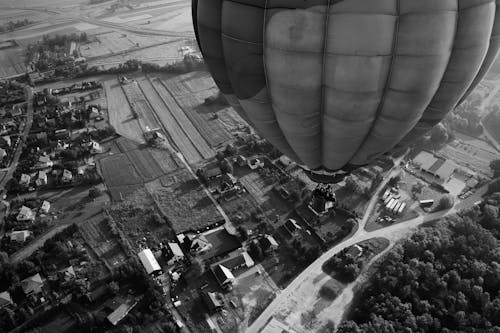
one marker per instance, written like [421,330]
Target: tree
[256,252]
[495,167]
[417,189]
[494,185]
[445,202]
[230,150]
[439,134]
[352,185]
[329,327]
[94,192]
[195,270]
[394,181]
[243,233]
[226,166]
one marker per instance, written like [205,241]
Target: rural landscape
[138,197]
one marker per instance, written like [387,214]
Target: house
[20,236]
[215,244]
[255,163]
[440,168]
[148,261]
[292,226]
[121,311]
[228,179]
[175,253]
[68,273]
[25,180]
[213,171]
[44,162]
[45,207]
[3,153]
[61,145]
[5,299]
[95,147]
[42,178]
[67,176]
[223,276]
[32,285]
[213,301]
[237,260]
[7,140]
[271,242]
[25,214]
[241,160]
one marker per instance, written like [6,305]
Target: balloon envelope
[335,84]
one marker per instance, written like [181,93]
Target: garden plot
[140,106]
[184,202]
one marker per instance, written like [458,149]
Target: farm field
[12,62]
[190,91]
[120,114]
[471,153]
[118,170]
[184,202]
[139,104]
[175,109]
[170,125]
[128,169]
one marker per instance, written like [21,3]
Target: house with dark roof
[439,167]
[236,261]
[213,301]
[32,285]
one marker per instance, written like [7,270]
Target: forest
[445,278]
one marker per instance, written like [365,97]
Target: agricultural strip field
[120,114]
[172,128]
[190,91]
[139,104]
[181,118]
[182,199]
[470,152]
[12,62]
[126,172]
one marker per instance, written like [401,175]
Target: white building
[149,262]
[45,207]
[44,162]
[67,176]
[42,178]
[95,147]
[25,180]
[20,236]
[176,253]
[25,214]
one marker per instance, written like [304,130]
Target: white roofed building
[149,261]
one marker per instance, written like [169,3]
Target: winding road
[302,294]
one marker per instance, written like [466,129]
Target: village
[134,198]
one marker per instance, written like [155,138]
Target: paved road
[302,292]
[24,135]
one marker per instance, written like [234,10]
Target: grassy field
[118,170]
[120,114]
[190,91]
[183,201]
[139,218]
[131,166]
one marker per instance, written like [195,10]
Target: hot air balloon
[333,84]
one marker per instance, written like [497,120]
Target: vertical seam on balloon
[379,109]
[323,86]
[483,70]
[404,142]
[282,134]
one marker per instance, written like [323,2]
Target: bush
[327,293]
